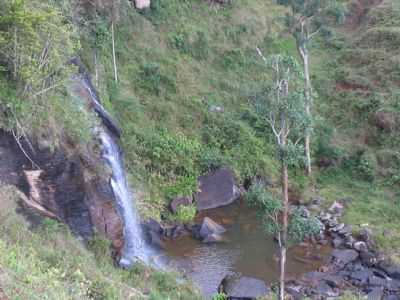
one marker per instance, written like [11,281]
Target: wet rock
[195,230]
[217,189]
[361,277]
[334,280]
[178,231]
[377,281]
[185,201]
[391,297]
[393,285]
[153,225]
[369,258]
[392,270]
[343,257]
[156,240]
[346,230]
[324,289]
[349,241]
[366,235]
[375,294]
[360,246]
[209,227]
[337,242]
[213,238]
[243,287]
[295,291]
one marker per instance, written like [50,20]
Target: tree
[307,19]
[36,43]
[283,109]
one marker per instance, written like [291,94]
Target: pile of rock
[354,264]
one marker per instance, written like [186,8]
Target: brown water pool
[247,251]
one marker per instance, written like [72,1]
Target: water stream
[134,247]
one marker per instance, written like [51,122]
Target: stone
[185,201]
[325,217]
[391,297]
[209,227]
[337,242]
[142,4]
[375,294]
[156,240]
[324,289]
[178,231]
[336,208]
[153,225]
[392,270]
[213,238]
[361,276]
[346,230]
[377,281]
[195,230]
[365,234]
[360,246]
[343,257]
[217,189]
[317,201]
[369,258]
[243,287]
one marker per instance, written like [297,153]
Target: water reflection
[247,251]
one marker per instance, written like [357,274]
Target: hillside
[188,71]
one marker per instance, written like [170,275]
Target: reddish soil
[358,12]
[344,86]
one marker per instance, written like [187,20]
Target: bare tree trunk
[285,198]
[307,93]
[113,51]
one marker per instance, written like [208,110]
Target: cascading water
[134,247]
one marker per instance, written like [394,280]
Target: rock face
[142,4]
[217,189]
[66,188]
[243,287]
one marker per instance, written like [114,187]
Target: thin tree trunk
[284,229]
[307,94]
[285,198]
[113,51]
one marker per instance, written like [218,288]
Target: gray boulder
[243,287]
[343,257]
[209,227]
[217,189]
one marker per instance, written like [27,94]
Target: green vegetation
[177,63]
[47,262]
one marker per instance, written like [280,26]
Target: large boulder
[217,189]
[209,227]
[343,257]
[243,287]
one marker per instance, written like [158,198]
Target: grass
[46,262]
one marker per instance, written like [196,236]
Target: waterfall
[134,247]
